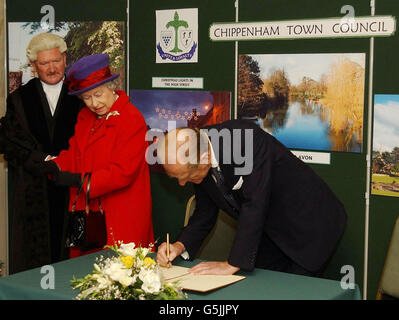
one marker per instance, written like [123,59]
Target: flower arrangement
[128,275]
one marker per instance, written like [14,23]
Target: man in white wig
[39,121]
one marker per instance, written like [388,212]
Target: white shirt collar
[52,92]
[56,86]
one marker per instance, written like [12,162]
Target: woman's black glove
[66,178]
[37,166]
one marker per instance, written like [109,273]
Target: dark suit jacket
[282,197]
[36,206]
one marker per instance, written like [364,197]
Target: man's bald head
[185,146]
[185,155]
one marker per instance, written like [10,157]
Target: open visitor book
[199,283]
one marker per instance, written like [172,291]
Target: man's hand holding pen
[175,249]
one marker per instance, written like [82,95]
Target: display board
[383,207]
[345,169]
[322,87]
[346,174]
[214,67]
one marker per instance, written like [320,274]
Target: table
[258,285]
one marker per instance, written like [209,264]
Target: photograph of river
[307,101]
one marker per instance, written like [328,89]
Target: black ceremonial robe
[37,208]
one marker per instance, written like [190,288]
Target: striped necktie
[219,179]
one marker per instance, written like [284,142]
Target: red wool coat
[115,155]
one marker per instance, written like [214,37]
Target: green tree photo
[385,180]
[250,94]
[91,37]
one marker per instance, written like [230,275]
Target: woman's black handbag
[86,228]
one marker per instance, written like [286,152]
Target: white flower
[139,263]
[128,249]
[116,271]
[151,281]
[103,281]
[87,292]
[127,280]
[145,251]
[97,267]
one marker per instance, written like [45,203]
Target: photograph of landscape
[307,101]
[385,158]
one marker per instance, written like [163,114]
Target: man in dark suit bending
[288,218]
[39,121]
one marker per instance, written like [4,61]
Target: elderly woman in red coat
[109,142]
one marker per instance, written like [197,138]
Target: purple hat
[88,73]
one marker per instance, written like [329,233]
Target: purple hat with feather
[88,73]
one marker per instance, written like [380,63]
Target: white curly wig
[44,41]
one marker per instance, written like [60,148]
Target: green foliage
[114,248]
[277,85]
[391,157]
[309,89]
[90,37]
[385,179]
[36,27]
[250,94]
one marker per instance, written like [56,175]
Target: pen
[167,248]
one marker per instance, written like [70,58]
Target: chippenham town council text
[322,28]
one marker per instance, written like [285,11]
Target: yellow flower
[127,261]
[148,262]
